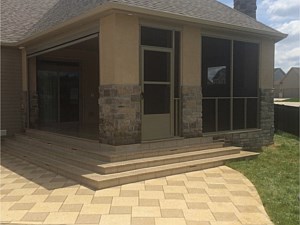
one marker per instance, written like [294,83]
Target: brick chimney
[246,6]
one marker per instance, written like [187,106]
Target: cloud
[288,50]
[283,15]
[281,10]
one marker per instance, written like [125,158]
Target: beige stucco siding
[266,64]
[119,49]
[11,74]
[191,56]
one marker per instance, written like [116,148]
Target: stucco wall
[119,49]
[266,64]
[11,71]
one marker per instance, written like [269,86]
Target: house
[279,74]
[289,85]
[124,72]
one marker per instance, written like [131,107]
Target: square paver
[129,193]
[197,205]
[174,196]
[61,218]
[148,202]
[170,221]
[88,219]
[225,216]
[120,210]
[142,221]
[125,201]
[85,191]
[56,198]
[247,209]
[198,215]
[46,207]
[172,213]
[22,206]
[11,198]
[34,217]
[95,209]
[154,188]
[201,223]
[71,208]
[115,220]
[144,211]
[102,200]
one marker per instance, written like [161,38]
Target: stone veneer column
[119,91]
[267,115]
[191,111]
[119,114]
[191,93]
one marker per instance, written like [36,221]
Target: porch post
[24,95]
[191,83]
[119,90]
[266,91]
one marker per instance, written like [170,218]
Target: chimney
[247,7]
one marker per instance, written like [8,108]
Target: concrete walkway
[279,101]
[218,196]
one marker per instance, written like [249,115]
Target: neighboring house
[279,74]
[289,85]
[126,72]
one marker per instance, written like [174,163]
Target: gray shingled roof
[22,18]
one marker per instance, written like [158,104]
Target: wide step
[84,168]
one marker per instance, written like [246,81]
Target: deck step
[78,158]
[97,168]
[48,139]
[98,181]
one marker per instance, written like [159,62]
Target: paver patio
[217,196]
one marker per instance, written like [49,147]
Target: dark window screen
[156,37]
[156,99]
[216,67]
[157,66]
[245,69]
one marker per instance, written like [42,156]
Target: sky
[284,16]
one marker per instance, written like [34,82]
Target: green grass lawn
[275,174]
[292,100]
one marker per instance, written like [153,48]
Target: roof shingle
[23,18]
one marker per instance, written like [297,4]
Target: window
[156,37]
[229,84]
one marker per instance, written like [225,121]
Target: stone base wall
[267,115]
[256,138]
[33,110]
[191,111]
[120,114]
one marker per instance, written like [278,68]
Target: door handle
[142,95]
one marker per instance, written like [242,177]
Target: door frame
[144,48]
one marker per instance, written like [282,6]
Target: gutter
[277,36]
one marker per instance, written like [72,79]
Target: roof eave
[276,36]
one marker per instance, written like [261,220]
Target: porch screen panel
[245,70]
[216,67]
[229,84]
[216,54]
[245,84]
